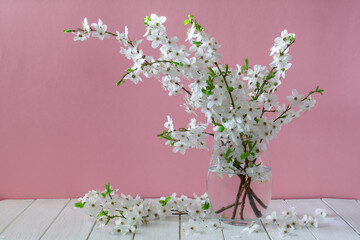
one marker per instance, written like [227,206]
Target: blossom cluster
[239,103]
[128,213]
[288,222]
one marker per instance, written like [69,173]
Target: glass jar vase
[241,196]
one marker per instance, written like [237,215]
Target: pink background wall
[66,128]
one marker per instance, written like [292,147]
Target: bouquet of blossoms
[240,104]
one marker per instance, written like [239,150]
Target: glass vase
[239,197]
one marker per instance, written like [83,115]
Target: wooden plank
[209,235]
[71,224]
[158,229]
[279,206]
[232,232]
[35,220]
[348,210]
[167,229]
[101,233]
[10,209]
[332,227]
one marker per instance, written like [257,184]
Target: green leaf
[318,90]
[165,201]
[291,38]
[270,75]
[230,89]
[146,20]
[243,68]
[198,44]
[103,213]
[252,146]
[212,72]
[256,120]
[221,128]
[178,63]
[107,187]
[129,70]
[228,152]
[198,27]
[107,221]
[120,81]
[186,22]
[79,204]
[67,30]
[205,205]
[246,63]
[108,190]
[217,124]
[244,155]
[190,17]
[207,92]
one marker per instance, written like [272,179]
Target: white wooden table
[52,219]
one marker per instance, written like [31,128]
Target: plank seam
[263,225]
[328,204]
[17,217]
[54,220]
[91,231]
[222,230]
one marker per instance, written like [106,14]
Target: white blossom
[100,30]
[272,218]
[290,213]
[252,228]
[320,213]
[123,37]
[286,232]
[86,26]
[295,99]
[80,35]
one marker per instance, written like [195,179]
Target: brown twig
[225,208]
[257,199]
[253,205]
[246,188]
[236,204]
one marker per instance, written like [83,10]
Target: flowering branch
[226,83]
[296,98]
[128,213]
